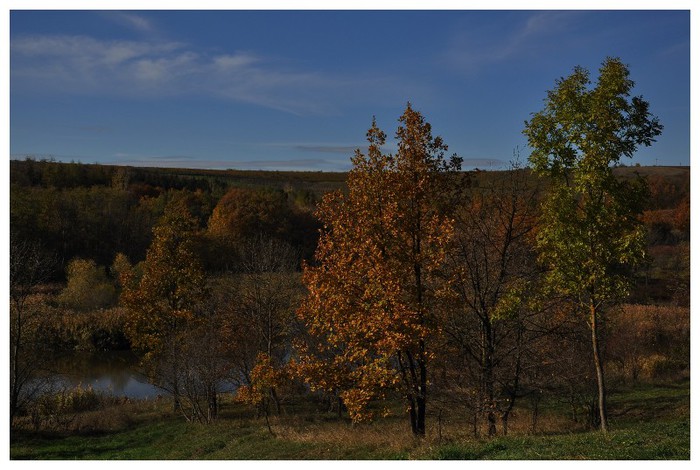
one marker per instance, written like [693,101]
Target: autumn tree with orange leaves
[375,294]
[162,306]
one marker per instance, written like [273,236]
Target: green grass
[642,442]
[173,438]
[647,422]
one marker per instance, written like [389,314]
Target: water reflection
[115,373]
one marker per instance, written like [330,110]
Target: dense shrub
[97,330]
[57,409]
[88,286]
[650,342]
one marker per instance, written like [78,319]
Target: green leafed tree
[591,236]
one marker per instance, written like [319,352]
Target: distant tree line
[95,211]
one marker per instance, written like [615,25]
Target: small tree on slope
[590,235]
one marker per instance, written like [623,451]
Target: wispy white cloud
[80,64]
[81,48]
[230,62]
[470,52]
[130,20]
[86,65]
[678,49]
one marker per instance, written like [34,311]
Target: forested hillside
[96,211]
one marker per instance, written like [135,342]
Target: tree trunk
[176,390]
[422,379]
[213,405]
[421,398]
[491,419]
[513,395]
[504,422]
[267,418]
[506,413]
[409,379]
[487,374]
[275,398]
[600,376]
[415,381]
[420,418]
[412,415]
[14,377]
[535,413]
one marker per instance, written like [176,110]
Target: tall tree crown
[590,127]
[373,296]
[173,281]
[591,234]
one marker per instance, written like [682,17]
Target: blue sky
[286,90]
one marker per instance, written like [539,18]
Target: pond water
[115,373]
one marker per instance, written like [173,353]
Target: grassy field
[647,422]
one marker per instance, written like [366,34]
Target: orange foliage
[373,297]
[661,216]
[264,377]
[172,284]
[681,215]
[244,212]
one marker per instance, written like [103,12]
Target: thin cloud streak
[130,20]
[308,164]
[342,149]
[483,163]
[303,163]
[85,65]
[469,54]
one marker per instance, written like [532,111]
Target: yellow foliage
[263,378]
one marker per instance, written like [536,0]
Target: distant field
[249,178]
[303,178]
[655,170]
[320,182]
